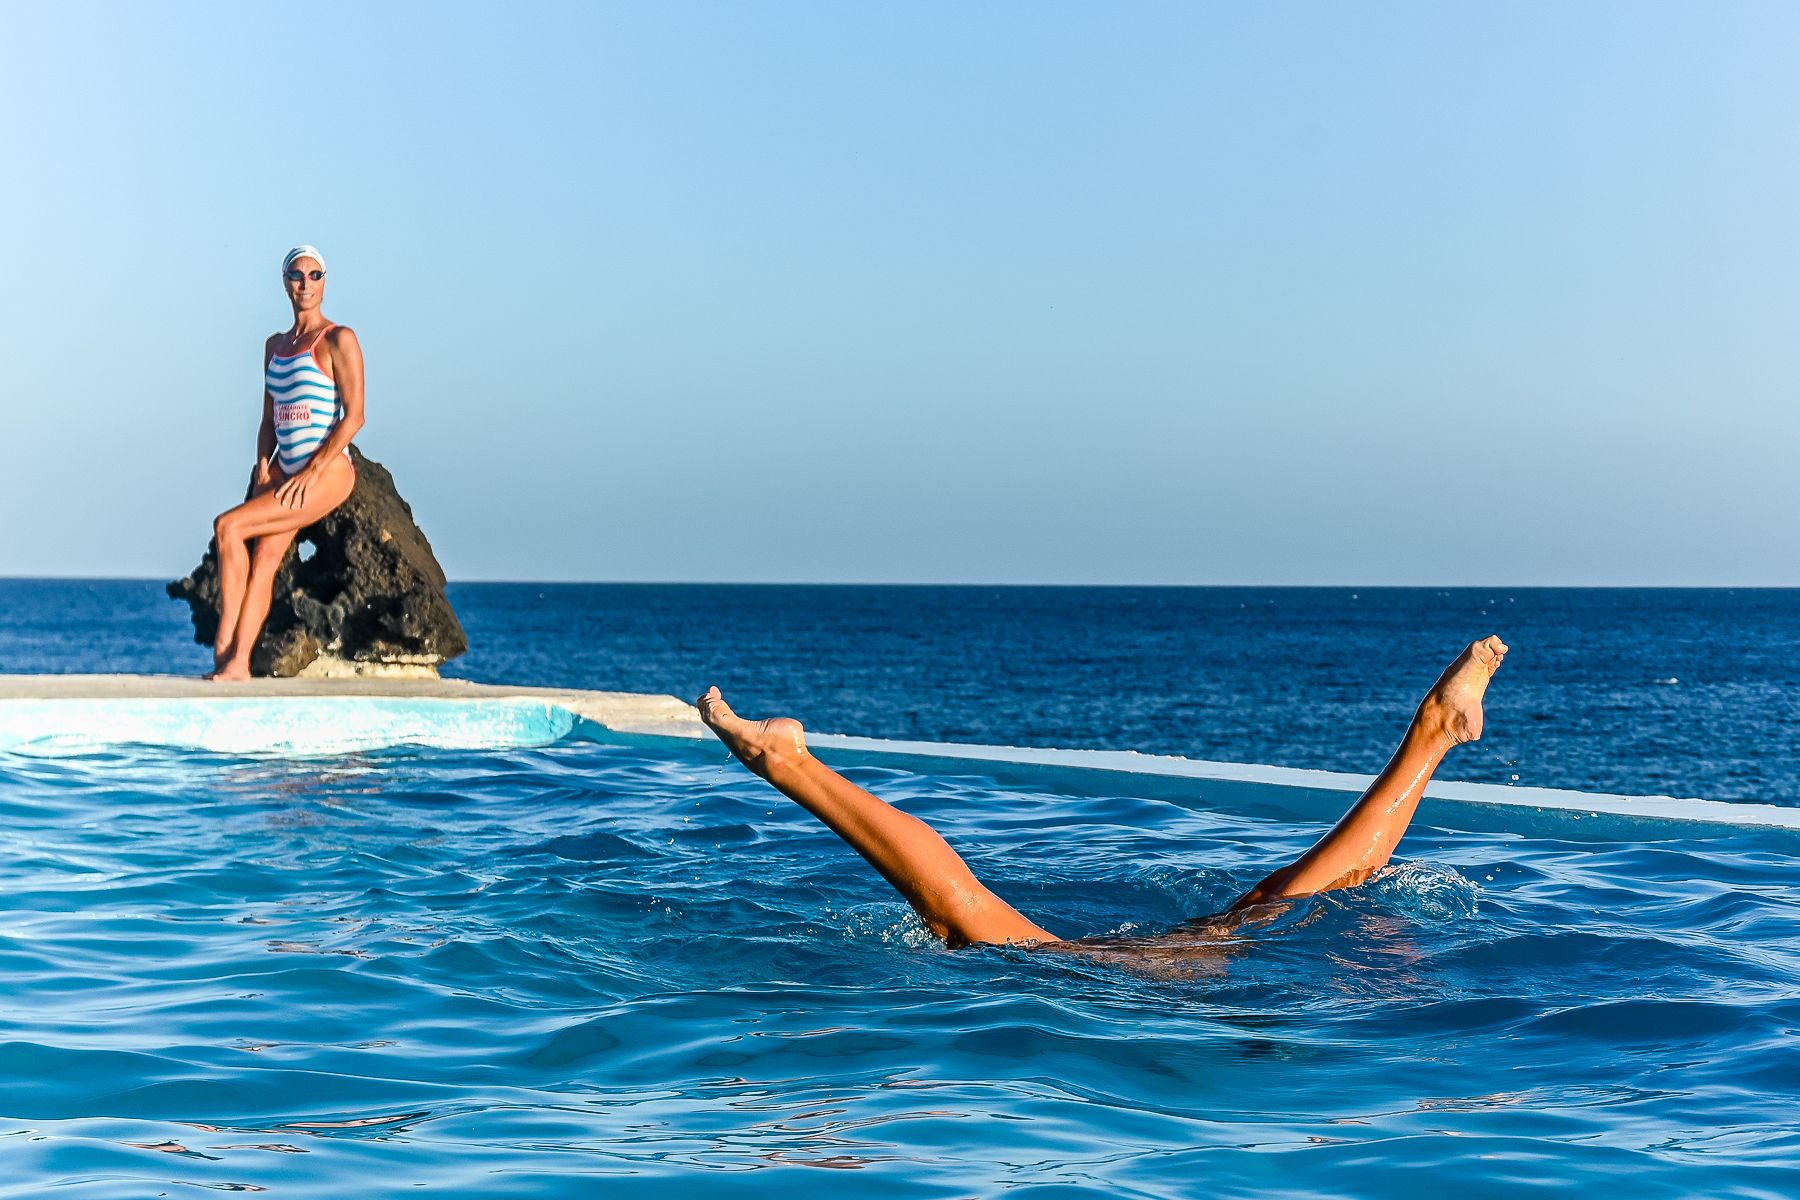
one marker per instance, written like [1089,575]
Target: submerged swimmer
[960,909]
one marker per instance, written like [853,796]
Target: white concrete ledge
[272,716]
[625,712]
[1559,800]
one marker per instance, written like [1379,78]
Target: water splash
[1427,891]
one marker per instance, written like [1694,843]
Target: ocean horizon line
[1021,585]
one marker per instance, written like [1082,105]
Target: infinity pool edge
[83,713]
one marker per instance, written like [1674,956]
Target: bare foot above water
[1453,706]
[756,744]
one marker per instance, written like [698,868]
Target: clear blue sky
[1185,293]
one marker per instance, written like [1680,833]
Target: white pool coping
[1655,808]
[54,705]
[625,712]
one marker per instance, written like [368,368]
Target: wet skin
[959,908]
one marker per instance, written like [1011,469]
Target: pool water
[588,969]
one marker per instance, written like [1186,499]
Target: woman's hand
[292,494]
[263,477]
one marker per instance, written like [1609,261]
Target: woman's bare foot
[1452,708]
[759,745]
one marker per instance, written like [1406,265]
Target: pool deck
[659,716]
[622,712]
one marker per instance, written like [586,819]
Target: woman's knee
[228,527]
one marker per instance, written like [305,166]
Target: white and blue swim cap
[302,251]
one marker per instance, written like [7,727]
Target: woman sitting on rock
[312,408]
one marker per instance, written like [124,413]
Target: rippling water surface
[588,969]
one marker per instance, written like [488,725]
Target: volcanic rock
[360,593]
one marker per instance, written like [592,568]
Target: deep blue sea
[594,969]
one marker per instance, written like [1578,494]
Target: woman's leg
[257,594]
[244,589]
[909,853]
[233,574]
[234,570]
[1360,844]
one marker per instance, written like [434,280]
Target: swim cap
[311,252]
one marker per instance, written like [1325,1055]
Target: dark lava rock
[369,598]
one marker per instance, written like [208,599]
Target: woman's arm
[343,361]
[265,435]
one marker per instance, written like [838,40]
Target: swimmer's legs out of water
[906,851]
[1361,843]
[960,909]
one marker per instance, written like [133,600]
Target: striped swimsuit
[306,406]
